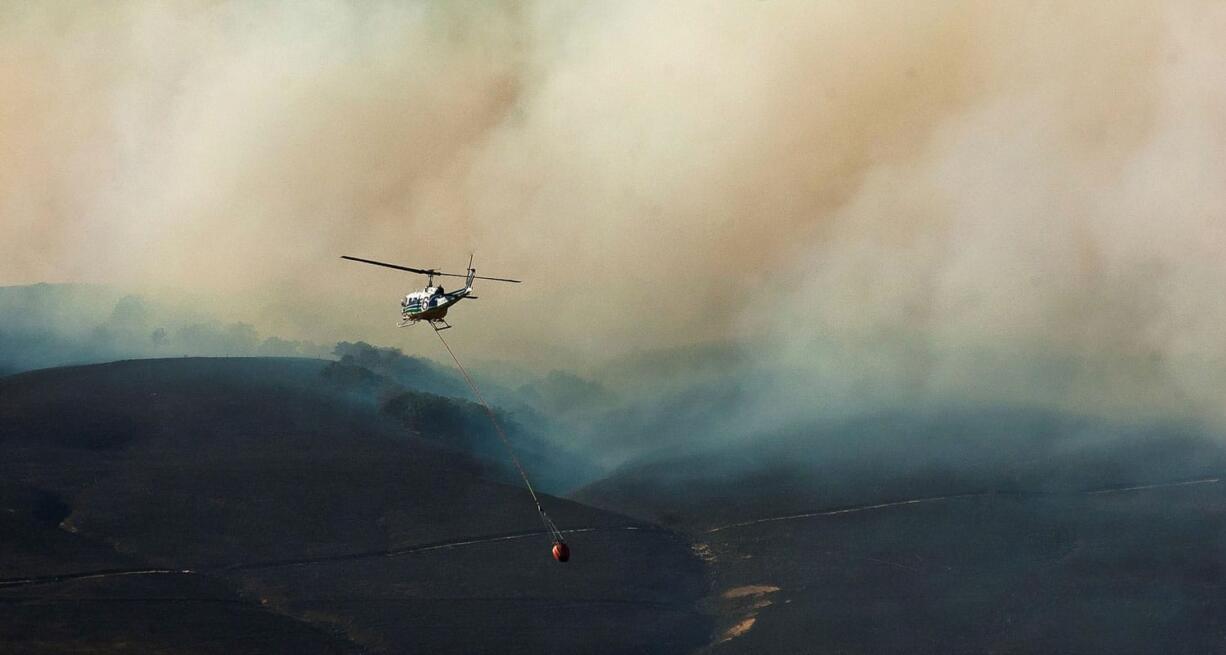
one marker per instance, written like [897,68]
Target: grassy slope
[228,466]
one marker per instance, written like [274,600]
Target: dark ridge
[298,503]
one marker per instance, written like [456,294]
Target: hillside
[295,505]
[959,531]
[248,505]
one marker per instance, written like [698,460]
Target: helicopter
[431,303]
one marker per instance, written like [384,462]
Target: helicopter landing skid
[436,323]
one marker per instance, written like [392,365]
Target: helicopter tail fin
[472,272]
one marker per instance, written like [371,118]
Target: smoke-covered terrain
[966,528]
[906,318]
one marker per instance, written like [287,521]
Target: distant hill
[50,325]
[958,530]
[883,456]
[252,505]
[45,325]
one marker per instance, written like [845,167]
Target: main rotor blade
[496,279]
[479,277]
[422,271]
[425,271]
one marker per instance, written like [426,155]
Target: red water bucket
[561,551]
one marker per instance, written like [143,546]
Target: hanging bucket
[561,551]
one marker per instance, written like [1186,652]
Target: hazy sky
[1017,200]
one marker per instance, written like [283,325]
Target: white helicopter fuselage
[429,304]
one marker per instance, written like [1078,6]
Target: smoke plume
[900,202]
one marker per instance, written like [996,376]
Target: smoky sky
[1014,201]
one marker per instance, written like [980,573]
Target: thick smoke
[893,201]
[1057,241]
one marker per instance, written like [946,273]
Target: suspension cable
[549,525]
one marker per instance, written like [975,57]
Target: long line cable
[549,525]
